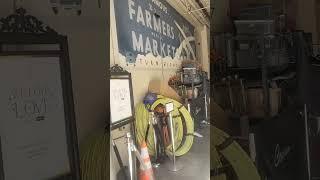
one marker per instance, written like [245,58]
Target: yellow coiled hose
[182,123]
[241,163]
[94,156]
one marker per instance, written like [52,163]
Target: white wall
[142,75]
[87,38]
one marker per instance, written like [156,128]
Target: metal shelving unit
[195,101]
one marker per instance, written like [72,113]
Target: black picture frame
[118,73]
[21,30]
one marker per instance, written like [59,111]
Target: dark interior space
[265,89]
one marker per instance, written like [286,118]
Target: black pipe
[116,151]
[123,174]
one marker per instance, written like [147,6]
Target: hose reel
[183,124]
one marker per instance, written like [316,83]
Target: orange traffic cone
[146,171]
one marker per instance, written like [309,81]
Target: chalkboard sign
[121,97]
[38,135]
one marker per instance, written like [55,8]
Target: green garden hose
[141,123]
[215,163]
[183,126]
[94,157]
[234,154]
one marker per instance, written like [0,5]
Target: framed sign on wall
[38,136]
[153,28]
[121,98]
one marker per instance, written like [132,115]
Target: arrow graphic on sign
[185,44]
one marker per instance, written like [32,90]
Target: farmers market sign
[153,27]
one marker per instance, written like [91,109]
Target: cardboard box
[162,88]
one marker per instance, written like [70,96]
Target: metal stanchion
[252,147]
[130,156]
[154,123]
[133,148]
[206,106]
[306,119]
[154,134]
[206,120]
[174,166]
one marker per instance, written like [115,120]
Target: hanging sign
[153,27]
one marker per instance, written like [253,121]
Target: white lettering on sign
[160,5]
[131,10]
[164,28]
[137,44]
[140,17]
[145,46]
[158,40]
[155,47]
[148,46]
[173,49]
[157,24]
[168,49]
[148,19]
[172,32]
[144,18]
[168,31]
[279,156]
[162,49]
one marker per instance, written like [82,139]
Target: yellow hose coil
[94,156]
[142,119]
[241,163]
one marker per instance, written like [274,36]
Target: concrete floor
[196,163]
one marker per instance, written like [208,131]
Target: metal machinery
[193,86]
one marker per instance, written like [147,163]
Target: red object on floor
[146,171]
